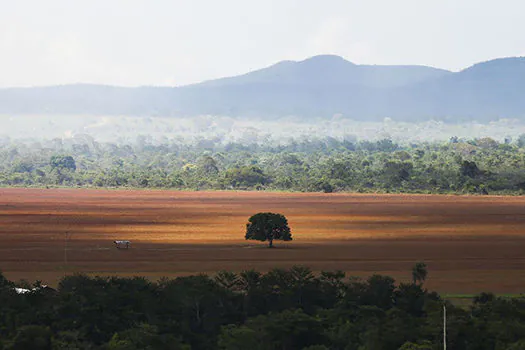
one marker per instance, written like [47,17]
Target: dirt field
[470,244]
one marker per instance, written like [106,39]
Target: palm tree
[419,273]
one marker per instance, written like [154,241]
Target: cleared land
[470,244]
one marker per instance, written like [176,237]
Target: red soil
[470,244]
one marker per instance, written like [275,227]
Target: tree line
[480,166]
[283,309]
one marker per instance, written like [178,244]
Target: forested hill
[320,86]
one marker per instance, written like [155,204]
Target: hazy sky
[176,42]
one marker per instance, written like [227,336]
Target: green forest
[478,166]
[283,309]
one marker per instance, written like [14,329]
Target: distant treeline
[281,309]
[479,166]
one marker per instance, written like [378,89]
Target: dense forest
[281,309]
[478,166]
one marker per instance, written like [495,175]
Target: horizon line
[109,85]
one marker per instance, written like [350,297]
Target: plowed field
[469,243]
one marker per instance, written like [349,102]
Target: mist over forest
[224,130]
[224,153]
[323,124]
[319,97]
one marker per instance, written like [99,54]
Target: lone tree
[419,272]
[267,227]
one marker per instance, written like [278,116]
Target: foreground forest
[478,166]
[281,309]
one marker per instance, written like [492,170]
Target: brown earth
[469,243]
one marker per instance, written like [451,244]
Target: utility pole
[444,327]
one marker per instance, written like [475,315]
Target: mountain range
[320,86]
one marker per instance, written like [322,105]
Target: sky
[178,42]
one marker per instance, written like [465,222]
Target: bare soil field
[470,243]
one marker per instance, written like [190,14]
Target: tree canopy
[268,227]
[63,162]
[281,309]
[479,166]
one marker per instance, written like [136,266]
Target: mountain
[320,86]
[332,70]
[486,91]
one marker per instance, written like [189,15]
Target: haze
[172,43]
